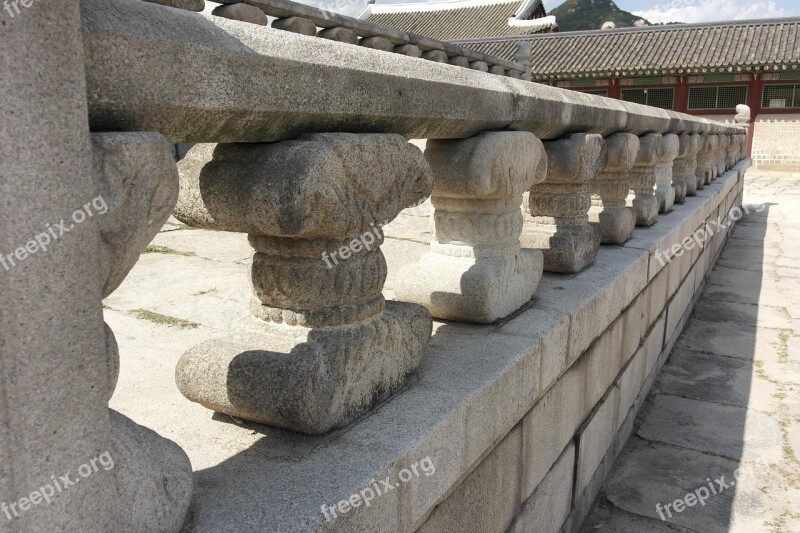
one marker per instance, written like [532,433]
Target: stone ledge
[474,386]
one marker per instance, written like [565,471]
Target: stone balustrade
[302,133]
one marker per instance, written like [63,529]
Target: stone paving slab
[727,398]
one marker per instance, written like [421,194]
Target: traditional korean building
[700,69]
[462,19]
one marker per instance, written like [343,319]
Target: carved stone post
[685,167]
[720,155]
[322,347]
[137,181]
[705,160]
[559,222]
[610,190]
[665,192]
[476,270]
[642,179]
[734,149]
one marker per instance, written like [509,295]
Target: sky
[652,10]
[703,10]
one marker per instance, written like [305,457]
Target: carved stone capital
[643,176]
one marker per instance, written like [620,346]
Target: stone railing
[302,144]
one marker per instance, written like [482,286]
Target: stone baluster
[665,192]
[342,35]
[559,223]
[734,149]
[720,155]
[296,25]
[705,160]
[642,179]
[610,190]
[684,168]
[137,182]
[322,347]
[475,270]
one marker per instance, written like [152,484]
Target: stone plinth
[559,223]
[476,270]
[684,169]
[642,179]
[665,192]
[610,190]
[322,346]
[705,160]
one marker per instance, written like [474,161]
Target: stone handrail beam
[285,9]
[240,82]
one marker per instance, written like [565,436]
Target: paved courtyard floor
[717,444]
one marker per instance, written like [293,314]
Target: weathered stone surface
[241,12]
[558,223]
[189,5]
[664,189]
[642,179]
[154,478]
[711,428]
[296,25]
[408,50]
[480,66]
[488,498]
[684,169]
[437,56]
[304,380]
[377,43]
[459,61]
[321,352]
[595,438]
[706,169]
[138,183]
[302,188]
[476,270]
[548,507]
[342,35]
[610,189]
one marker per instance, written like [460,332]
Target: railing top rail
[238,82]
[362,28]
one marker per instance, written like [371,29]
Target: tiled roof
[463,19]
[742,46]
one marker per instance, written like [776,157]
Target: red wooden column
[682,96]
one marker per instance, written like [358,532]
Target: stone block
[296,25]
[654,344]
[377,43]
[476,270]
[610,189]
[341,35]
[631,381]
[549,505]
[242,13]
[188,5]
[488,499]
[603,362]
[558,223]
[551,329]
[596,437]
[550,426]
[654,300]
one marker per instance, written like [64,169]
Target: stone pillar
[720,155]
[322,347]
[684,168]
[665,192]
[610,190]
[705,160]
[476,270]
[57,359]
[642,179]
[734,149]
[559,223]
